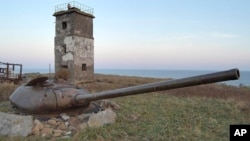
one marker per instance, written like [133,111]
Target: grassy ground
[155,117]
[196,113]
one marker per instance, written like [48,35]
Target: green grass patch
[164,117]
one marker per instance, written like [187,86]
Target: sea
[174,74]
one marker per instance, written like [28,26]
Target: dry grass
[109,82]
[195,113]
[240,95]
[6,89]
[62,74]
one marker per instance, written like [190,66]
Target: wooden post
[49,73]
[7,74]
[21,67]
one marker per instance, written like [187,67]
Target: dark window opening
[64,25]
[1,70]
[64,66]
[84,67]
[64,49]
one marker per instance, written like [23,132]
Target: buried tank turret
[40,97]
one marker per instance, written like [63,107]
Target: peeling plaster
[69,42]
[67,57]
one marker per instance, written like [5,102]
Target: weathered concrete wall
[83,26]
[77,51]
[74,45]
[59,30]
[78,24]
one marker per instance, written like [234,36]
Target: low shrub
[6,89]
[62,74]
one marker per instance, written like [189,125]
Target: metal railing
[8,71]
[74,4]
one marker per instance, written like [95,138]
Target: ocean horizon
[173,74]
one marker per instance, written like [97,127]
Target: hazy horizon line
[149,69]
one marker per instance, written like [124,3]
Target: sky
[135,34]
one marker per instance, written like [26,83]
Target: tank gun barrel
[36,98]
[232,74]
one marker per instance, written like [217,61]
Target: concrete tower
[74,41]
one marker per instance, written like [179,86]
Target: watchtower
[74,41]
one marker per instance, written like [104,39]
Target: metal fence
[74,4]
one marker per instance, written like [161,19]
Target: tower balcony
[74,5]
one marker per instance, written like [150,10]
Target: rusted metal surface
[8,72]
[40,99]
[36,96]
[37,81]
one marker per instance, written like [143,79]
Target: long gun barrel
[232,74]
[31,98]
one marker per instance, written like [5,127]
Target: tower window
[64,49]
[84,67]
[64,66]
[64,25]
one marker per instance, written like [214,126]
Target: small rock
[104,117]
[46,132]
[62,126]
[53,122]
[66,123]
[73,121]
[57,131]
[65,137]
[38,124]
[57,134]
[46,125]
[68,133]
[72,128]
[83,117]
[64,116]
[109,104]
[36,131]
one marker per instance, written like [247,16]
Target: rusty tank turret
[45,98]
